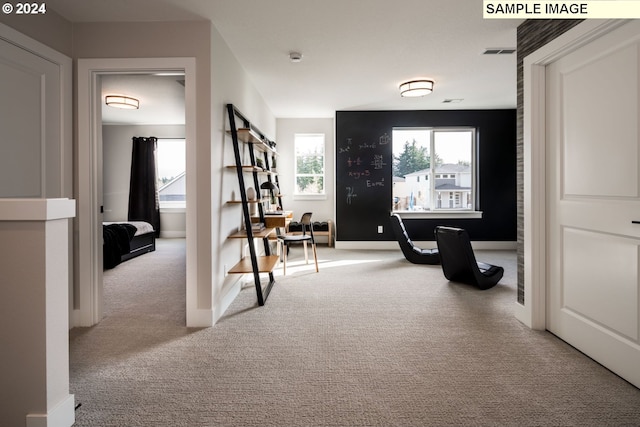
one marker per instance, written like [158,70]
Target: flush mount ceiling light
[416,88]
[120,101]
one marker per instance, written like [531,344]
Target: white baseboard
[206,318]
[521,313]
[63,415]
[388,245]
[230,292]
[74,318]
[199,318]
[173,234]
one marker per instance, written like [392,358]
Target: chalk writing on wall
[350,195]
[363,167]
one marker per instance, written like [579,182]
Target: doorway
[160,114]
[88,290]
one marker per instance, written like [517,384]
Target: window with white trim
[309,161]
[434,169]
[171,167]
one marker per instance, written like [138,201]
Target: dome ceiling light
[121,101]
[415,88]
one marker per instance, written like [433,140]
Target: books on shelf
[257,226]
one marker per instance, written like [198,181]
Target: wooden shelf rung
[256,234]
[256,169]
[248,136]
[265,265]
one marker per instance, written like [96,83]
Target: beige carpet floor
[371,340]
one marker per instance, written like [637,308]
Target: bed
[125,240]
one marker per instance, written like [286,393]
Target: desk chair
[306,236]
[459,262]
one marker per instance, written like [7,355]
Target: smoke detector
[295,56]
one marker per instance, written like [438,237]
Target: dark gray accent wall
[364,173]
[532,35]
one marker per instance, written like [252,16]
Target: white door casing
[89,253]
[593,195]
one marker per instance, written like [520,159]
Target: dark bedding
[116,242]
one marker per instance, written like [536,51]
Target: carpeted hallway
[371,340]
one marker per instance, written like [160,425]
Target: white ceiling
[161,99]
[355,52]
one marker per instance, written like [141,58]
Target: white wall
[227,83]
[324,209]
[230,84]
[50,29]
[173,40]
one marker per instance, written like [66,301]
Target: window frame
[445,212]
[323,175]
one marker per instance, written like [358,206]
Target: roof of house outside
[451,187]
[177,184]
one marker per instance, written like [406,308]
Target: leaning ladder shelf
[255,141]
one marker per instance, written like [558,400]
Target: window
[171,165]
[445,158]
[309,164]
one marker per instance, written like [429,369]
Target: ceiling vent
[499,51]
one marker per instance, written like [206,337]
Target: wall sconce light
[416,88]
[120,101]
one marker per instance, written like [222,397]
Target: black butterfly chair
[306,236]
[459,262]
[411,252]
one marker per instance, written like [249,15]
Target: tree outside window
[309,164]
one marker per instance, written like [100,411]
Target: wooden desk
[276,220]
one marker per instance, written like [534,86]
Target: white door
[593,196]
[30,144]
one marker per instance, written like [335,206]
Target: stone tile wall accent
[532,35]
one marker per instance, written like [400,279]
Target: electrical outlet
[379,229]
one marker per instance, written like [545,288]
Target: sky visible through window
[171,158]
[450,146]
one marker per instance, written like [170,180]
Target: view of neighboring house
[452,189]
[174,190]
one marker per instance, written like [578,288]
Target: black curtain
[143,191]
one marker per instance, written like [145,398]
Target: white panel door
[593,192]
[30,134]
